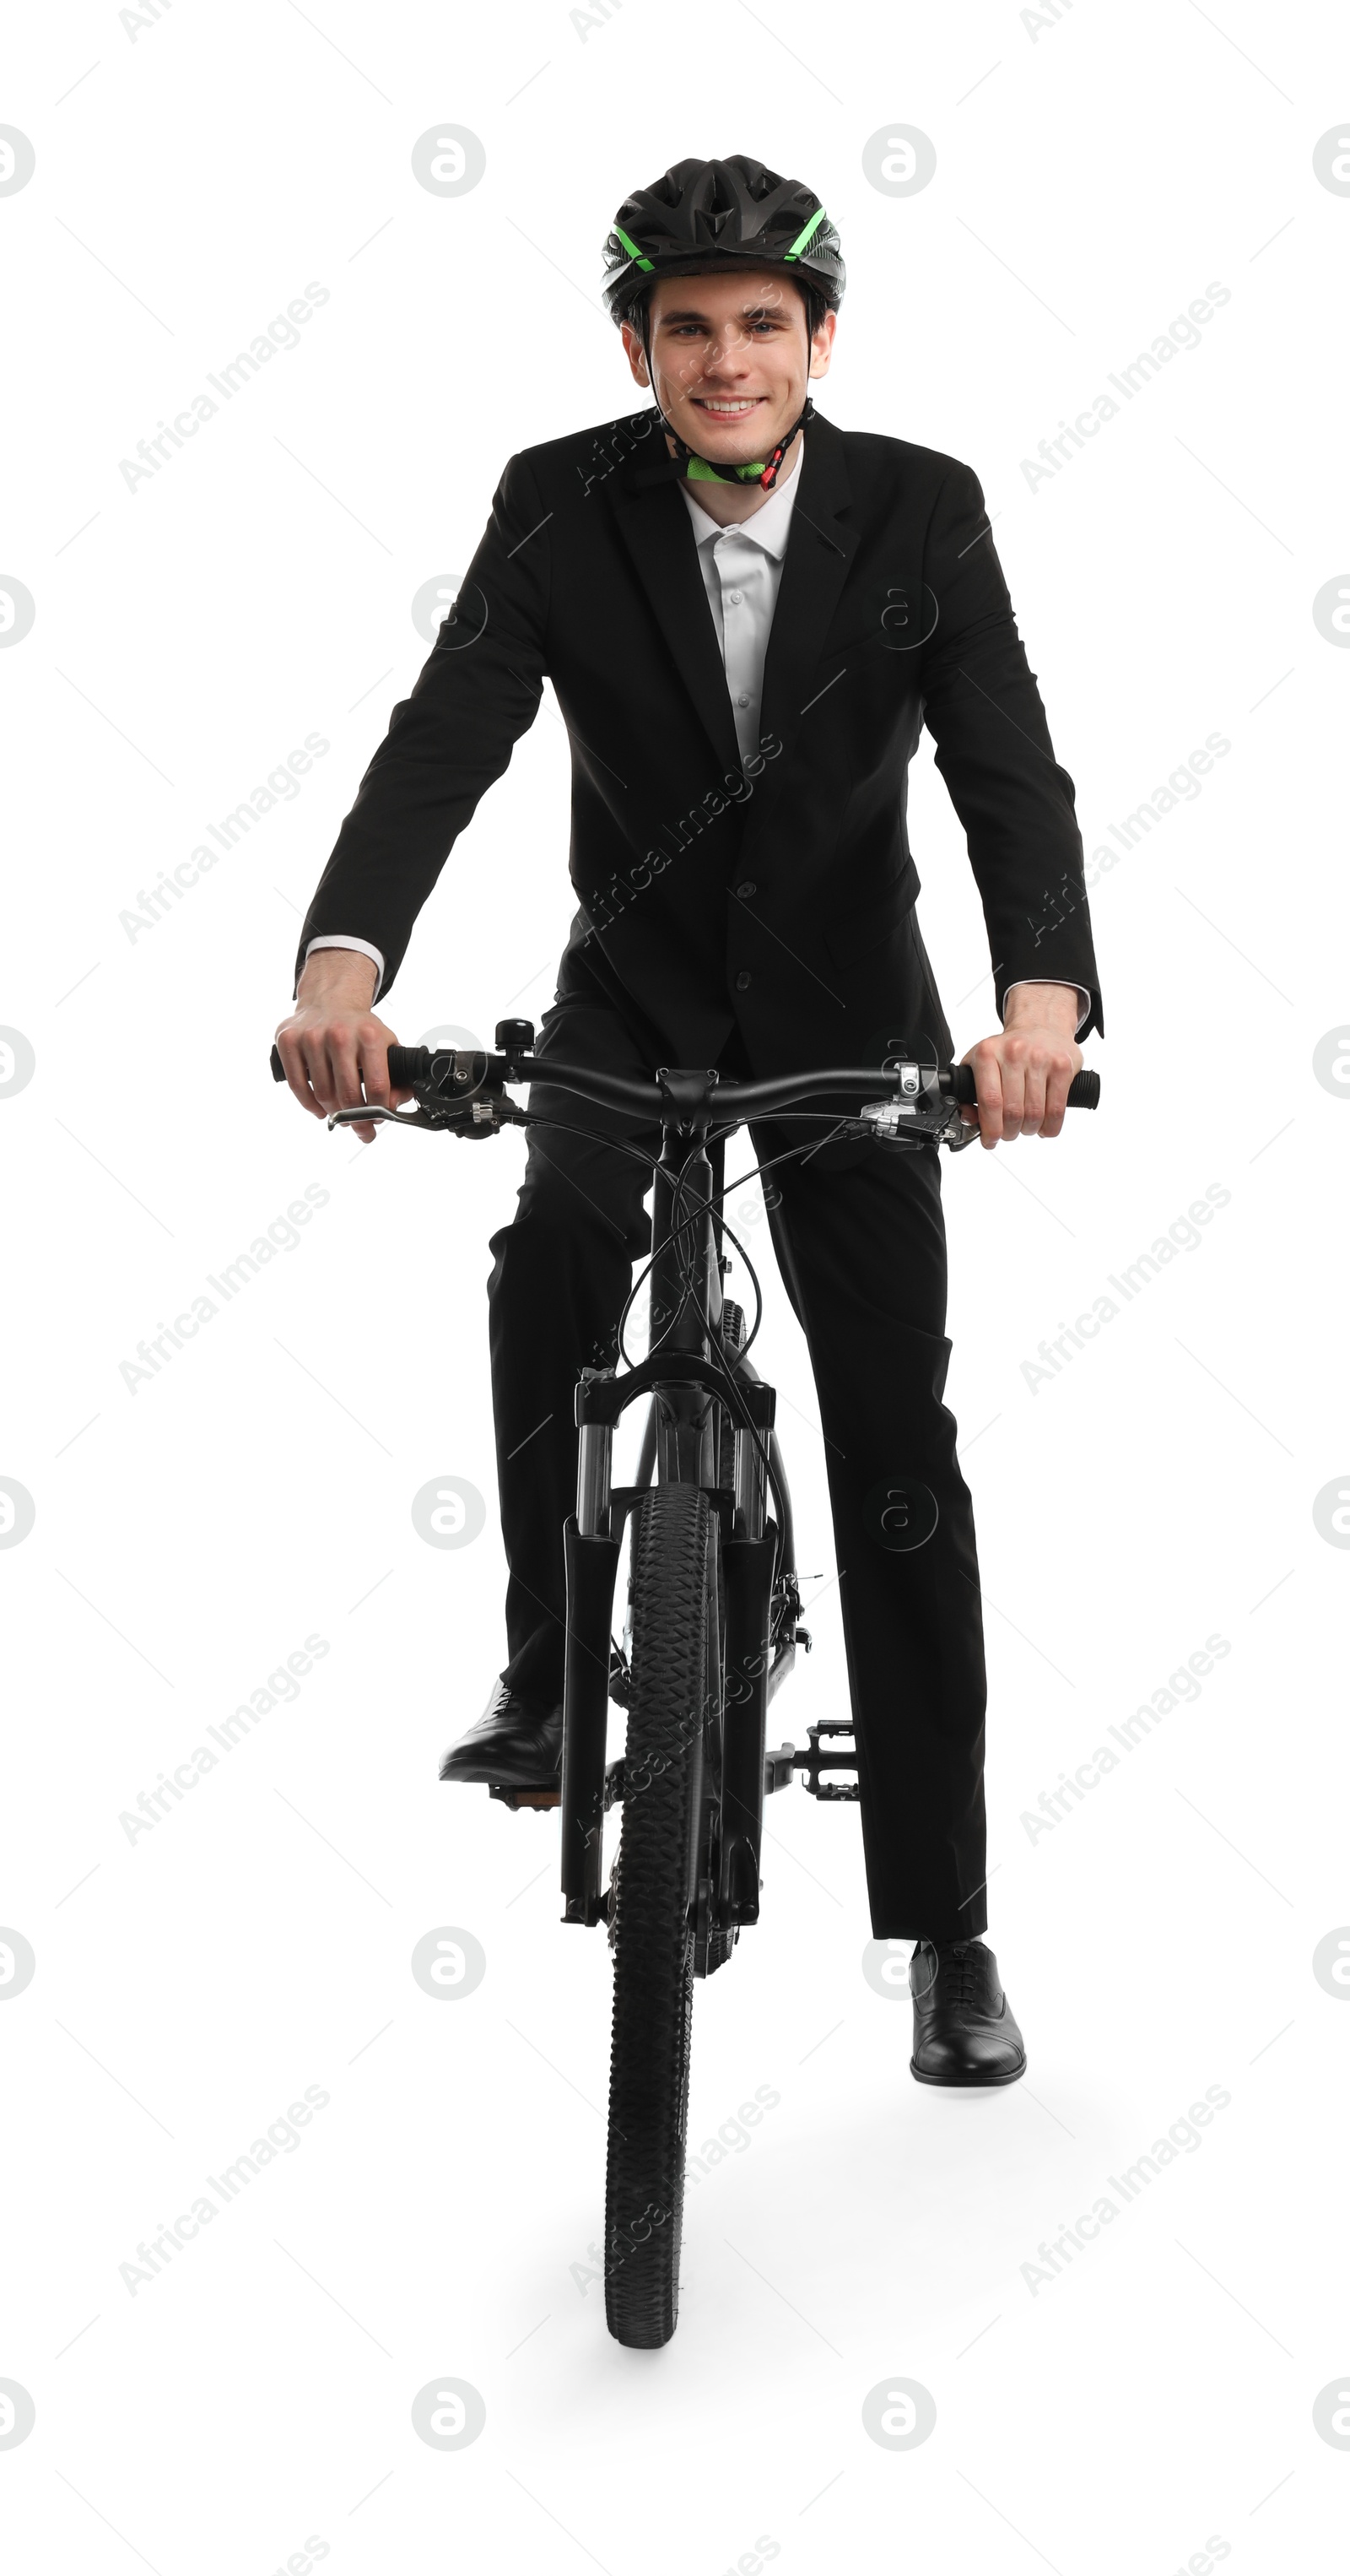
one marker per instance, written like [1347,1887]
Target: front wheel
[674,1603]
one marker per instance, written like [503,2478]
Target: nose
[732,354]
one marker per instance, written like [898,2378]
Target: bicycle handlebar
[413,1064]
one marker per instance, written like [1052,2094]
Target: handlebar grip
[406,1065]
[1085,1090]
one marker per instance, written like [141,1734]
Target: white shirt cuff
[363,949]
[1084,999]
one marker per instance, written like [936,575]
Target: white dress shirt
[742,568]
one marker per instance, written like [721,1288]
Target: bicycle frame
[688,1376]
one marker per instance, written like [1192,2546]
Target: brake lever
[900,1127]
[917,1114]
[373,1116]
[486,1115]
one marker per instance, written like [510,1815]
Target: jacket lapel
[654,523]
[821,545]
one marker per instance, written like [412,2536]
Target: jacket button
[745,891]
[742,982]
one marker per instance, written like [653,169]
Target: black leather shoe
[513,1746]
[964,2031]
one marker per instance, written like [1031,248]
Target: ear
[634,353]
[822,346]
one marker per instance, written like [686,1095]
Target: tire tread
[651,1933]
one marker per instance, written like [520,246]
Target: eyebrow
[748,313]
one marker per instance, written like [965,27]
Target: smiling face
[731,357]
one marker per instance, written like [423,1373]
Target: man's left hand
[1022,1075]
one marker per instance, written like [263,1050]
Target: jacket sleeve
[474,697]
[993,749]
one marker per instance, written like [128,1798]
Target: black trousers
[862,1250]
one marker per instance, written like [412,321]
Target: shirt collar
[768,527]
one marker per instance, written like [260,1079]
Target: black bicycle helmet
[706,215]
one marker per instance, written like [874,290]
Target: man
[747,615]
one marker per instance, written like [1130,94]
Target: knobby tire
[674,1574]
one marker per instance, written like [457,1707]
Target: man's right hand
[333,1046]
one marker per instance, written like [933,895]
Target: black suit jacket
[772,895]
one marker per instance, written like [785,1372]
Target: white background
[193,173]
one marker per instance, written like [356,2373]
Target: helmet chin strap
[702,469]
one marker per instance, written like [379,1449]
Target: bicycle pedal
[778,1763]
[543,1796]
[813,1762]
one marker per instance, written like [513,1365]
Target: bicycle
[714,1614]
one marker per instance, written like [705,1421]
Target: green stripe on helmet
[803,238]
[633,251]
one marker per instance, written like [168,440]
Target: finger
[1014,1094]
[326,1075]
[1056,1098]
[319,1067]
[374,1058]
[1033,1098]
[292,1054]
[346,1071]
[989,1096]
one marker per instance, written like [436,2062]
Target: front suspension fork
[748,1565]
[592,1559]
